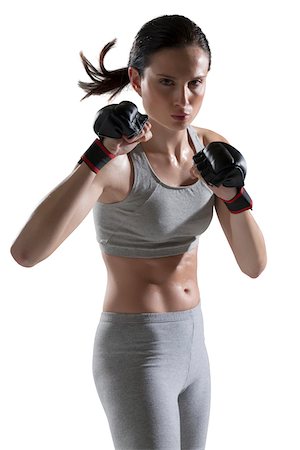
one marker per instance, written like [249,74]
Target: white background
[49,313]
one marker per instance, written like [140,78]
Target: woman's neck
[165,141]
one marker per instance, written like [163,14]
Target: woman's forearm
[55,217]
[248,244]
[243,234]
[245,238]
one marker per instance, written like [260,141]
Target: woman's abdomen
[151,285]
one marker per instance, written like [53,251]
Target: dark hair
[166,31]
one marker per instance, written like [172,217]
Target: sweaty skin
[152,284]
[172,85]
[172,89]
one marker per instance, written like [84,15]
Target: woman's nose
[181,97]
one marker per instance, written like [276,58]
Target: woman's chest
[173,175]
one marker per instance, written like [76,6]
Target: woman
[150,204]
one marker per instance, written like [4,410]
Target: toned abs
[151,284]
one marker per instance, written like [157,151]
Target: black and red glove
[112,121]
[221,164]
[120,119]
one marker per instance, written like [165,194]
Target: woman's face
[173,86]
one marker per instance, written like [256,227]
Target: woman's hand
[125,145]
[121,127]
[225,193]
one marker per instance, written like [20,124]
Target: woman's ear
[135,79]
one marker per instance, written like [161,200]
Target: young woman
[150,204]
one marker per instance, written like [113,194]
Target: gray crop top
[155,219]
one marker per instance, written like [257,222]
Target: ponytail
[103,81]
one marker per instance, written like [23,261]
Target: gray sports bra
[155,219]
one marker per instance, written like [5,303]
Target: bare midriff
[165,284]
[136,285]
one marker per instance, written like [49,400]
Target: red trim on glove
[237,195]
[90,164]
[101,145]
[241,193]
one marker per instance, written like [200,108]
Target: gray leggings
[152,375]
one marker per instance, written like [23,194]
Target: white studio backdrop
[49,313]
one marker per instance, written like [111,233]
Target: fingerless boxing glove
[221,164]
[119,119]
[112,121]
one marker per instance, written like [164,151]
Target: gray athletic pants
[152,375]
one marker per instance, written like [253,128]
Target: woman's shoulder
[206,136]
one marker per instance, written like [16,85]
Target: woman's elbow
[21,257]
[254,272]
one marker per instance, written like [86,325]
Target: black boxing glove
[221,163]
[112,121]
[117,120]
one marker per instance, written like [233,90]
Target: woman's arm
[241,230]
[245,239]
[67,205]
[58,215]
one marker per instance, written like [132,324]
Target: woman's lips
[180,116]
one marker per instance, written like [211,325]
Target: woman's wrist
[240,202]
[228,193]
[223,192]
[96,156]
[236,199]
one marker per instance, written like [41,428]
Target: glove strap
[96,156]
[240,202]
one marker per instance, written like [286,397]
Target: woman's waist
[158,272]
[149,297]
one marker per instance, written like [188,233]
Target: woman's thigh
[140,368]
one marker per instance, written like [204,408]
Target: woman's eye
[196,83]
[166,82]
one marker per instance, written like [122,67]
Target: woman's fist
[221,164]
